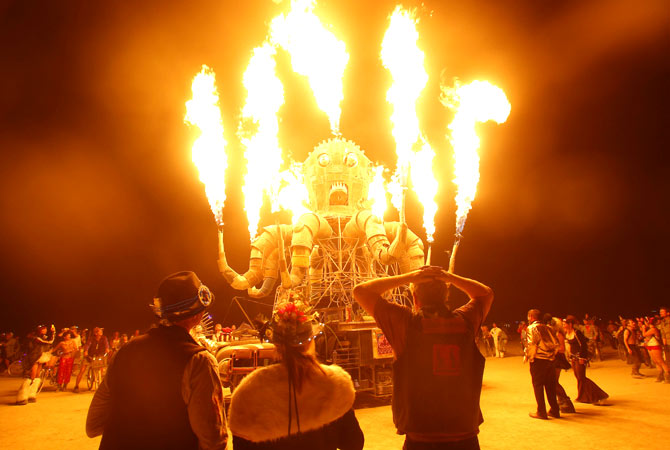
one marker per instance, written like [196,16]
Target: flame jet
[402,57]
[479,101]
[265,95]
[209,150]
[315,53]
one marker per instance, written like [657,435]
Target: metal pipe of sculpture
[452,257]
[366,226]
[262,257]
[270,275]
[310,227]
[407,247]
[283,268]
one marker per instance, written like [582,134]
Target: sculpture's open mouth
[339,194]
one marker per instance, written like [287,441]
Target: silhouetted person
[438,370]
[162,390]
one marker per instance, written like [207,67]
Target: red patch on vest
[446,360]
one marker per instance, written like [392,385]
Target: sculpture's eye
[351,160]
[324,159]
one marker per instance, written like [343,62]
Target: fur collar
[259,406]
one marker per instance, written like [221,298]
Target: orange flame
[316,53]
[377,193]
[265,95]
[403,58]
[293,195]
[209,150]
[479,101]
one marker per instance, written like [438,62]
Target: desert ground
[638,415]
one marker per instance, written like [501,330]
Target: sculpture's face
[337,175]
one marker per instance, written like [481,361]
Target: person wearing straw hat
[162,389]
[299,403]
[438,370]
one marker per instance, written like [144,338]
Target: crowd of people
[553,344]
[68,351]
[300,403]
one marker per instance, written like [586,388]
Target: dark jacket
[145,380]
[437,379]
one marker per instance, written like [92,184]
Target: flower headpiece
[292,324]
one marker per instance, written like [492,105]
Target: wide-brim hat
[180,296]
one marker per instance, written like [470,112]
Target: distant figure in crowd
[135,335]
[76,337]
[299,403]
[664,328]
[438,370]
[541,349]
[124,339]
[66,349]
[592,335]
[36,355]
[653,342]
[560,363]
[115,343]
[587,390]
[12,349]
[96,347]
[499,340]
[485,341]
[631,341]
[162,390]
[218,335]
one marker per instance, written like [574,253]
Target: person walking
[653,342]
[541,349]
[298,403]
[96,347]
[630,339]
[438,370]
[67,349]
[162,390]
[587,390]
[499,340]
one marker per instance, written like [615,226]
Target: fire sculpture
[337,196]
[338,237]
[338,243]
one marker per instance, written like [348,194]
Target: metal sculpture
[334,246]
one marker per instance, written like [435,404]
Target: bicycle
[49,375]
[16,368]
[94,373]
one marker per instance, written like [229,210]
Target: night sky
[100,199]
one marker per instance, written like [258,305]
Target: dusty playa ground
[638,415]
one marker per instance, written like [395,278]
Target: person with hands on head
[438,370]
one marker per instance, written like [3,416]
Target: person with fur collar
[298,403]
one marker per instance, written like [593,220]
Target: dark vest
[147,409]
[437,380]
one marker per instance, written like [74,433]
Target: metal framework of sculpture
[334,246]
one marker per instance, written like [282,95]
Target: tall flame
[479,101]
[377,193]
[293,195]
[404,60]
[265,95]
[316,53]
[209,150]
[425,185]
